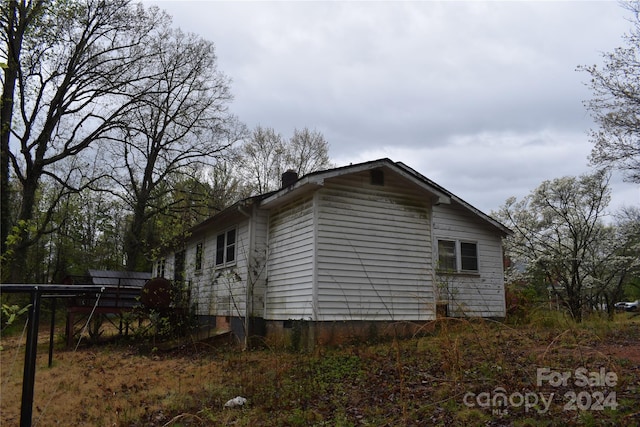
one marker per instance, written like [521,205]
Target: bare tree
[15,17]
[181,121]
[74,83]
[615,105]
[261,160]
[265,155]
[307,151]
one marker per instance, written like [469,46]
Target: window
[199,250]
[160,268]
[457,256]
[226,247]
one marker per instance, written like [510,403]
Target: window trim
[440,265]
[224,249]
[458,256]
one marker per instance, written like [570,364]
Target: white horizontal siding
[472,295]
[373,252]
[289,290]
[258,265]
[218,291]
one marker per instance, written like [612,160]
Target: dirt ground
[436,379]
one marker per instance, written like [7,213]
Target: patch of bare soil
[630,352]
[455,375]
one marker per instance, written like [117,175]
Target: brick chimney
[289,178]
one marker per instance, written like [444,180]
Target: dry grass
[418,381]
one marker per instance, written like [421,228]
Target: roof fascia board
[443,197]
[502,228]
[316,180]
[226,214]
[286,194]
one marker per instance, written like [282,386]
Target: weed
[419,381]
[532,422]
[471,417]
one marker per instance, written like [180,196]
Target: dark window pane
[199,256]
[231,245]
[469,256]
[231,253]
[178,273]
[231,237]
[220,249]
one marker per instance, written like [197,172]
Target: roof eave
[316,180]
[291,192]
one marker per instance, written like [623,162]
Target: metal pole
[52,330]
[31,348]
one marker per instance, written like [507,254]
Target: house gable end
[315,180]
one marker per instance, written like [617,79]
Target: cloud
[485,169]
[482,97]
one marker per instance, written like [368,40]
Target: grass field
[547,371]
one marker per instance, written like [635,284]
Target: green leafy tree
[556,228]
[88,236]
[627,266]
[613,262]
[83,231]
[187,202]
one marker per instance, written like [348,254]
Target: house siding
[479,294]
[258,264]
[289,288]
[218,291]
[373,252]
[229,283]
[349,247]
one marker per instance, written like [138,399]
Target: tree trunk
[133,241]
[5,128]
[14,43]
[17,263]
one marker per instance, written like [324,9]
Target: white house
[369,244]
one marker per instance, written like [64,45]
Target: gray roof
[115,278]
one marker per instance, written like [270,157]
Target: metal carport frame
[36,292]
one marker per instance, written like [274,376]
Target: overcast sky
[481,97]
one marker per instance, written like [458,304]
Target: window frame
[223,248]
[442,265]
[475,258]
[460,260]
